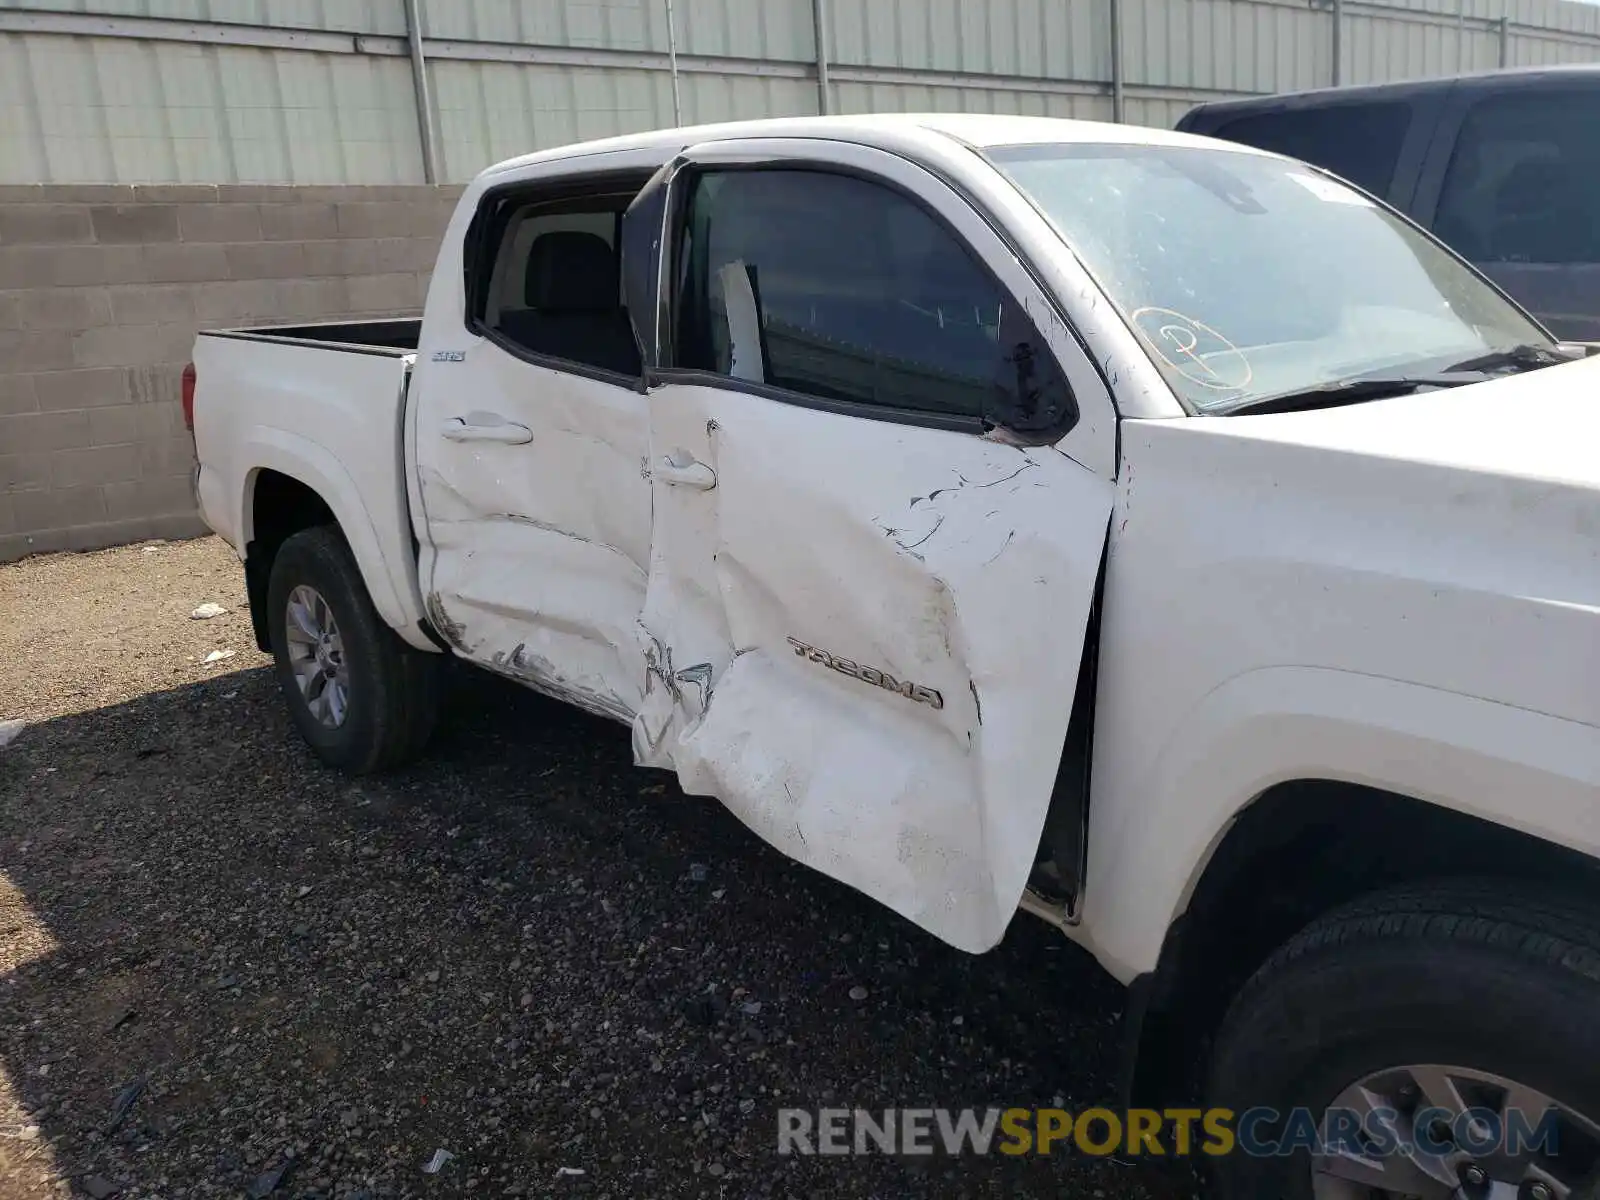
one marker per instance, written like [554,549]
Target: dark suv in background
[1504,167]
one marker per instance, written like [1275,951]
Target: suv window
[841,289]
[1523,179]
[1360,142]
[554,285]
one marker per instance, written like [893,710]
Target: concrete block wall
[102,289]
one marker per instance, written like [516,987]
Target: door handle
[691,474]
[486,427]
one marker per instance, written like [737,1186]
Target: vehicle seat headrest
[571,271]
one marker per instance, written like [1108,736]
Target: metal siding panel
[604,24]
[885,34]
[248,93]
[1161,112]
[376,119]
[1027,38]
[1059,31]
[1211,63]
[312,129]
[61,75]
[908,33]
[982,100]
[1288,42]
[347,119]
[708,98]
[872,35]
[1250,54]
[908,97]
[1313,60]
[354,16]
[1140,46]
[465,135]
[196,127]
[1379,48]
[1485,50]
[489,112]
[1535,50]
[137,110]
[491,20]
[943,50]
[1168,27]
[23,157]
[1082,108]
[990,37]
[1091,26]
[1211,52]
[113,110]
[776,29]
[1209,44]
[879,97]
[182,9]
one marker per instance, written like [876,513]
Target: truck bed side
[286,410]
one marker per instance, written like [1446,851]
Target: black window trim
[665,376]
[668,375]
[487,230]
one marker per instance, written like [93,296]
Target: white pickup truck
[1149,533]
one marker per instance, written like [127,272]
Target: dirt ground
[226,971]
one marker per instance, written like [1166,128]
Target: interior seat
[572,288]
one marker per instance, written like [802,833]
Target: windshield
[1249,276]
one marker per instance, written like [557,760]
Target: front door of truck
[866,609]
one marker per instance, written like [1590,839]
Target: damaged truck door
[537,527]
[874,550]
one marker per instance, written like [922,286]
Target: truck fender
[303,460]
[1279,725]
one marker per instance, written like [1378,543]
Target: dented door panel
[864,639]
[537,550]
[863,635]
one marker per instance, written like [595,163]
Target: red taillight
[188,397]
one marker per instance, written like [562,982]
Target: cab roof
[972,129]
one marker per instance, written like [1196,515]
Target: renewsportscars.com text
[1261,1132]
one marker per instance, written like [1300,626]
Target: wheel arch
[277,506]
[1298,850]
[295,484]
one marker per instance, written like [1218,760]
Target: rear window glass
[1360,142]
[1523,180]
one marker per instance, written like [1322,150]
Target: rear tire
[1486,978]
[363,700]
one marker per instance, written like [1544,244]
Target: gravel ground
[219,960]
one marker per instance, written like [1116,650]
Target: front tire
[1472,996]
[363,700]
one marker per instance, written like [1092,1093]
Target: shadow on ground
[524,951]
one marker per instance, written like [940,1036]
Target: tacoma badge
[872,675]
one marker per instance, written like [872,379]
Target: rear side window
[1524,179]
[1360,142]
[841,289]
[546,282]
